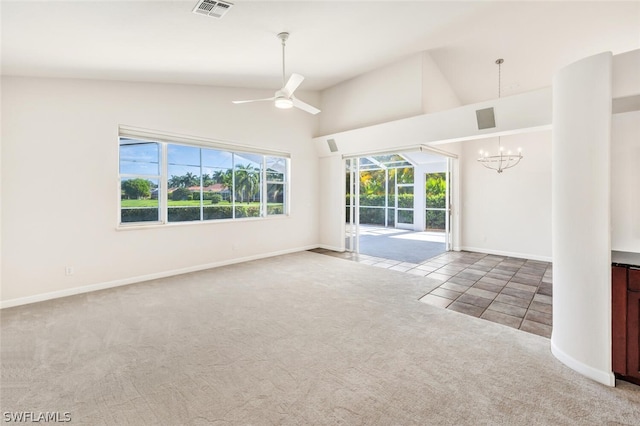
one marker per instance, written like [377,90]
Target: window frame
[164,140]
[158,177]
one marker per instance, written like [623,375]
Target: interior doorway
[398,206]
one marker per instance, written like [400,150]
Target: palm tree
[207,180]
[175,181]
[247,181]
[223,177]
[184,181]
[190,179]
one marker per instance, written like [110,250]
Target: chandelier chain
[502,160]
[499,79]
[499,62]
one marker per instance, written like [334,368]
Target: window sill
[160,225]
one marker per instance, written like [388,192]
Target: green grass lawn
[186,203]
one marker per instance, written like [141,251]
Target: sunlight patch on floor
[422,236]
[381,231]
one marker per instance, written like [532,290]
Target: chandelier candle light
[502,160]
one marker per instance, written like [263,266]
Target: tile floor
[510,291]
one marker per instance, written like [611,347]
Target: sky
[142,158]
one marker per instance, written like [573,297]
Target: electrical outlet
[68,270]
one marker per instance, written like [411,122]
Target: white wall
[332,203]
[385,94]
[508,213]
[625,157]
[626,74]
[625,182]
[60,186]
[403,89]
[437,94]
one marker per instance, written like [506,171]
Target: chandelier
[503,160]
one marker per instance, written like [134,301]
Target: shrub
[139,215]
[217,212]
[273,210]
[405,216]
[183,214]
[247,211]
[405,201]
[180,194]
[435,219]
[371,216]
[215,198]
[372,200]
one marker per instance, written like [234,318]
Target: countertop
[625,258]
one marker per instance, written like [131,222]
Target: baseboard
[332,248]
[605,377]
[132,280]
[508,253]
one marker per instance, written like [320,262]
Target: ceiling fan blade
[304,106]
[253,100]
[292,84]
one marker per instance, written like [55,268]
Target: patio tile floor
[513,292]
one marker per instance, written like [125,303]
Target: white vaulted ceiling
[162,41]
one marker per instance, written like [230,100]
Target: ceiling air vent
[214,8]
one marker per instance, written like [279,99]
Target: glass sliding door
[403,197]
[352,230]
[379,192]
[371,196]
[438,203]
[448,203]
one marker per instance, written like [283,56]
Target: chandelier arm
[500,162]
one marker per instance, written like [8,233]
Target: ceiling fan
[284,98]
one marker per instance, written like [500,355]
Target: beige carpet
[301,339]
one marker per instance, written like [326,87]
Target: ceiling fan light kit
[502,160]
[283,98]
[283,103]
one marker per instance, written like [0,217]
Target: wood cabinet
[625,297]
[619,319]
[633,335]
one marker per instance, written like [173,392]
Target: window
[168,182]
[139,181]
[276,177]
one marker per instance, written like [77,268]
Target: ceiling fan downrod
[284,36]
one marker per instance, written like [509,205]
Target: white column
[581,336]
[419,195]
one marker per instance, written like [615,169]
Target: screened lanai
[396,205]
